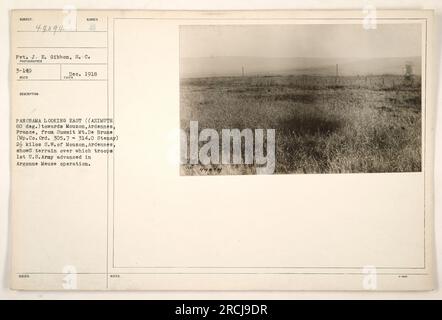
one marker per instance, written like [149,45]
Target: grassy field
[323,125]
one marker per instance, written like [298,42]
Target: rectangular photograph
[294,98]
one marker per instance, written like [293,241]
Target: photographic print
[294,98]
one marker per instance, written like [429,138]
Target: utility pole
[337,73]
[408,72]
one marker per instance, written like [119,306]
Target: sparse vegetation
[323,124]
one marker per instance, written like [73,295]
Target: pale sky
[323,41]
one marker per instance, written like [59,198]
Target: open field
[323,124]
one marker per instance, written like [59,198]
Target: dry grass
[356,124]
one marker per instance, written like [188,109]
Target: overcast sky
[323,41]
